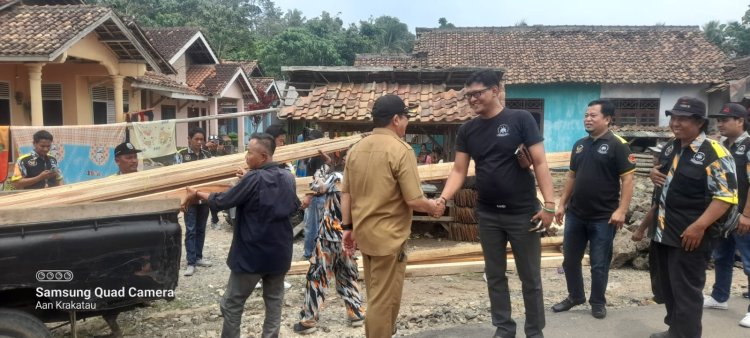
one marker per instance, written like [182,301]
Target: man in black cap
[699,187]
[126,158]
[380,189]
[732,123]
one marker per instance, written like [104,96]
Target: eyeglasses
[475,94]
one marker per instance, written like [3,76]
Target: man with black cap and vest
[699,187]
[126,158]
[732,123]
[380,189]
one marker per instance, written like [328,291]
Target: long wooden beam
[164,179]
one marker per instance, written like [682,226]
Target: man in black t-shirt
[593,206]
[507,197]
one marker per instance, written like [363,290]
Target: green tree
[387,34]
[298,47]
[445,24]
[733,37]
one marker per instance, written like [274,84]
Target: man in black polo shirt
[507,197]
[698,189]
[261,248]
[732,123]
[196,216]
[593,207]
[37,170]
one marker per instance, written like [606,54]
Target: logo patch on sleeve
[631,158]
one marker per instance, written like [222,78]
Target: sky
[477,13]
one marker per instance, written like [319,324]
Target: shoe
[745,322]
[664,334]
[204,263]
[190,270]
[711,303]
[599,311]
[565,305]
[357,322]
[299,328]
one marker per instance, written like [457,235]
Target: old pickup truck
[61,264]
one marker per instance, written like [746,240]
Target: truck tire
[19,324]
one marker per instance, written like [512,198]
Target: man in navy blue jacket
[261,247]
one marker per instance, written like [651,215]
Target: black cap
[732,110]
[388,105]
[688,106]
[125,148]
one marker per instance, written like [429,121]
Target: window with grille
[4,104]
[103,99]
[533,106]
[52,105]
[636,112]
[4,91]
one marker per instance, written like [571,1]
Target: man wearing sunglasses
[594,202]
[507,197]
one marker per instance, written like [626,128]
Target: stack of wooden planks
[643,163]
[165,180]
[459,259]
[211,175]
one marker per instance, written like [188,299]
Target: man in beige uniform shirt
[381,188]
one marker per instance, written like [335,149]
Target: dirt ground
[428,302]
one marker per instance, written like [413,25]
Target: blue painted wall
[564,106]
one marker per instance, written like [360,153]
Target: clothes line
[219,116]
[237,115]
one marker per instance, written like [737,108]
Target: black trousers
[682,276]
[495,231]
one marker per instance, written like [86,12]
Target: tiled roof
[353,102]
[581,54]
[389,60]
[161,80]
[169,41]
[262,83]
[741,69]
[42,30]
[210,79]
[643,131]
[250,67]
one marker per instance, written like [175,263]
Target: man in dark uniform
[196,215]
[126,158]
[732,124]
[37,170]
[262,244]
[593,207]
[699,187]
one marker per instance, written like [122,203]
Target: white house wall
[667,95]
[180,65]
